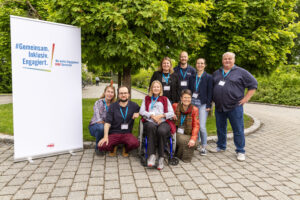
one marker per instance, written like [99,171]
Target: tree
[128,35]
[18,8]
[261,33]
[294,56]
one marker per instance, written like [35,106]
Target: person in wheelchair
[156,111]
[187,123]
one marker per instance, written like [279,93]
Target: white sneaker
[151,160]
[241,157]
[160,163]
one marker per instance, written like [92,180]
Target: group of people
[178,103]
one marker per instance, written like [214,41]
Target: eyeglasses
[123,93]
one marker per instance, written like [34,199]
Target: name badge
[221,83]
[163,80]
[195,95]
[124,126]
[183,83]
[167,88]
[189,73]
[180,130]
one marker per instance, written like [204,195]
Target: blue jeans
[236,120]
[202,135]
[97,130]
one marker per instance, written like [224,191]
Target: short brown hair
[186,91]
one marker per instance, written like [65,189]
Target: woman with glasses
[187,123]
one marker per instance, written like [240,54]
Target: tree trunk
[127,78]
[119,78]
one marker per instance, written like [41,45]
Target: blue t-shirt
[227,96]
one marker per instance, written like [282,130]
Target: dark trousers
[236,120]
[124,138]
[157,137]
[97,130]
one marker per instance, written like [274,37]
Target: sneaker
[241,157]
[216,150]
[160,163]
[151,160]
[203,152]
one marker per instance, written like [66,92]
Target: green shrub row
[142,79]
[281,87]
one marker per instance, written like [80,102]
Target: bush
[142,79]
[281,87]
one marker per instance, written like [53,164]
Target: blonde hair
[151,88]
[171,67]
[113,88]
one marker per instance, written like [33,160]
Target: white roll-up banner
[46,81]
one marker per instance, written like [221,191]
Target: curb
[271,104]
[211,139]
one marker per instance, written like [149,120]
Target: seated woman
[187,123]
[156,111]
[96,125]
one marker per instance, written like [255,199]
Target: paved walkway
[271,170]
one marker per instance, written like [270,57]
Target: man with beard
[184,70]
[118,125]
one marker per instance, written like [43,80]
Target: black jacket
[174,93]
[205,89]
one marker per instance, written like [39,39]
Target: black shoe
[99,153]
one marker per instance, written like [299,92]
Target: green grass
[140,89]
[6,122]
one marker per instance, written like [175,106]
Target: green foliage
[142,79]
[133,33]
[261,33]
[281,87]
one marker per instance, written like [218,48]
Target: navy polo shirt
[115,118]
[190,71]
[227,97]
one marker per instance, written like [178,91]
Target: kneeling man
[118,125]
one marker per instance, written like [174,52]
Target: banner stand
[31,159]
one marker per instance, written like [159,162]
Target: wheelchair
[169,148]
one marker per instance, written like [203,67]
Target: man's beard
[123,100]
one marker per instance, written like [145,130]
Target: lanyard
[125,113]
[105,104]
[198,81]
[153,102]
[166,79]
[183,76]
[182,118]
[225,74]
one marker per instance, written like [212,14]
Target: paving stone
[237,187]
[79,186]
[64,182]
[24,194]
[208,188]
[126,179]
[248,196]
[17,181]
[186,197]
[257,191]
[128,188]
[172,182]
[78,195]
[50,179]
[215,197]
[155,179]
[145,192]
[196,194]
[188,185]
[9,190]
[286,190]
[44,188]
[94,197]
[163,196]
[143,183]
[40,196]
[227,192]
[6,197]
[159,187]
[60,192]
[177,190]
[95,190]
[30,184]
[112,194]
[131,196]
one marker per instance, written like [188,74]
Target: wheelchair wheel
[173,161]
